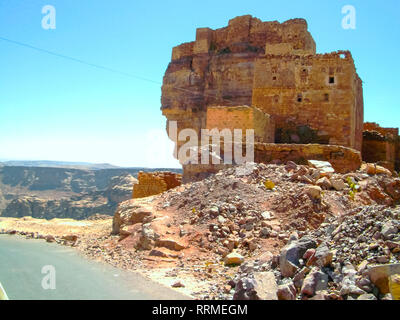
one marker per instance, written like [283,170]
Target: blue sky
[56,109]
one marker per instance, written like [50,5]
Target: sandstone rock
[70,237]
[323,256]
[128,213]
[324,167]
[287,291]
[178,284]
[292,253]
[389,229]
[262,286]
[171,244]
[373,169]
[338,184]
[314,281]
[233,258]
[379,276]
[324,183]
[314,192]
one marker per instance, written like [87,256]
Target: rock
[287,291]
[128,213]
[324,183]
[320,295]
[324,167]
[338,184]
[171,244]
[366,296]
[50,238]
[262,286]
[292,253]
[314,192]
[221,219]
[314,281]
[266,215]
[178,284]
[233,258]
[389,229]
[323,256]
[147,238]
[70,237]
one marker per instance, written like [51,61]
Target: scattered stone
[233,258]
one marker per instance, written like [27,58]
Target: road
[21,265]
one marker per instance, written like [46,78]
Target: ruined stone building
[268,77]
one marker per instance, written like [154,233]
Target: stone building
[268,76]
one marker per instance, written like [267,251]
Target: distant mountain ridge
[58,164]
[68,192]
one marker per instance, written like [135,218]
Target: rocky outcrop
[120,188]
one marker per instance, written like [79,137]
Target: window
[274,78]
[331,80]
[326,97]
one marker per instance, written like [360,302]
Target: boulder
[324,167]
[338,184]
[170,244]
[324,183]
[315,281]
[292,253]
[314,192]
[287,291]
[128,213]
[262,286]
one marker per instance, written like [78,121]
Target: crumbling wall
[319,92]
[151,183]
[241,117]
[343,159]
[381,146]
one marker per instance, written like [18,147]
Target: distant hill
[58,164]
[49,189]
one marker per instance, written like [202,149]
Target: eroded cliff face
[218,68]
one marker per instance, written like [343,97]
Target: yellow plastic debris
[394,286]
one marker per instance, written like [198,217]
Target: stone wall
[314,98]
[241,117]
[151,183]
[381,145]
[343,159]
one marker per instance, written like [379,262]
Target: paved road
[22,260]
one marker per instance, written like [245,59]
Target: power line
[77,60]
[101,67]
